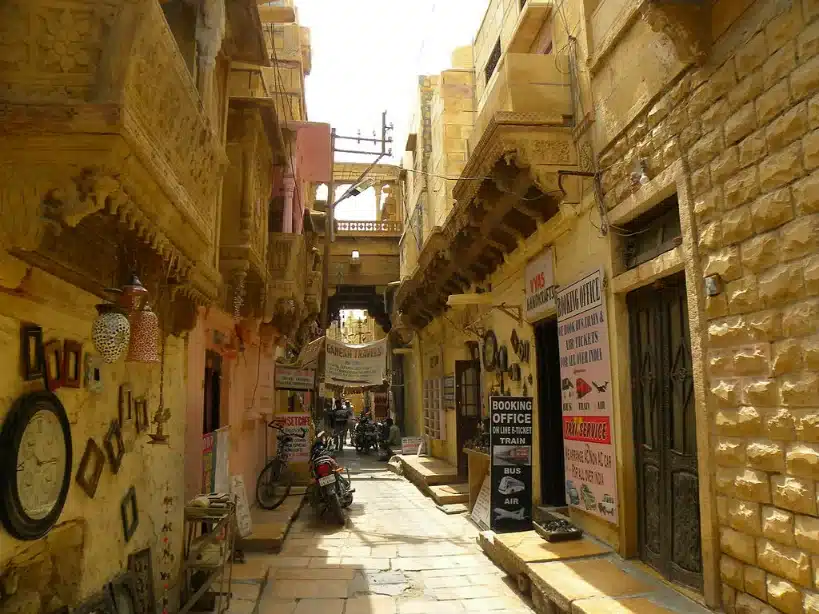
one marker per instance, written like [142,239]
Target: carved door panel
[467,405]
[665,431]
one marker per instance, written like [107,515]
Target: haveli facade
[147,138]
[672,146]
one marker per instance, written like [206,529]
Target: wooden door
[467,406]
[213,392]
[665,431]
[550,414]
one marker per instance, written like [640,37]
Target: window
[493,60]
[655,232]
[181,17]
[434,419]
[356,254]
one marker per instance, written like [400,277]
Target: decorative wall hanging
[113,446]
[514,341]
[126,404]
[93,373]
[160,418]
[130,516]
[31,343]
[144,344]
[72,364]
[474,349]
[141,411]
[490,351]
[132,296]
[100,603]
[90,469]
[53,359]
[503,359]
[110,332]
[525,391]
[124,593]
[523,351]
[141,565]
[37,476]
[514,372]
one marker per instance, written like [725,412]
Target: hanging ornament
[111,332]
[144,345]
[133,296]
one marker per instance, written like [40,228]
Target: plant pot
[111,332]
[144,344]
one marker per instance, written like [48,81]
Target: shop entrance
[665,434]
[550,414]
[213,392]
[467,406]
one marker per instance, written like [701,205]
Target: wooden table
[478,470]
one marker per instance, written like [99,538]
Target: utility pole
[354,190]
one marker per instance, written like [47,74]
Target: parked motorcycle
[366,435]
[330,491]
[383,434]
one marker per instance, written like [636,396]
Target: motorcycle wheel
[347,496]
[273,485]
[334,508]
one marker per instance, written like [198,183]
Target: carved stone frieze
[685,22]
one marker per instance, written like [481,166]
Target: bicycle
[275,480]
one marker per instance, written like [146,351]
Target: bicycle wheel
[273,485]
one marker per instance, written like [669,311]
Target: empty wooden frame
[141,411]
[130,515]
[113,446]
[90,469]
[126,404]
[31,346]
[53,362]
[72,364]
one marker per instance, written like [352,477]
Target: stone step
[447,494]
[270,527]
[424,471]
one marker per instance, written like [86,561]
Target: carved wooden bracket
[685,22]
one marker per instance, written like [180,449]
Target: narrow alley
[396,554]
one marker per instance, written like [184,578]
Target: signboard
[221,472]
[308,357]
[449,392]
[289,378]
[355,365]
[409,445]
[585,374]
[510,442]
[480,511]
[208,452]
[298,427]
[540,286]
[243,521]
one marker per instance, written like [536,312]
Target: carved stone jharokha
[685,22]
[104,119]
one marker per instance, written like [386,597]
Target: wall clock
[35,465]
[490,351]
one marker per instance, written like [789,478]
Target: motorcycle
[366,435]
[330,491]
[384,451]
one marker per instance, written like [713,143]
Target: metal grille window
[492,62]
[653,233]
[434,420]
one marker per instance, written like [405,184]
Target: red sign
[592,429]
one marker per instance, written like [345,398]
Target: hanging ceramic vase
[110,332]
[144,344]
[133,296]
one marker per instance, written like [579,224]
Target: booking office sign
[585,375]
[510,440]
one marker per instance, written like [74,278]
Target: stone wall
[87,549]
[746,127]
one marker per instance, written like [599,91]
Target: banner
[289,378]
[480,511]
[355,365]
[409,445]
[208,474]
[540,286]
[585,373]
[510,442]
[221,469]
[298,427]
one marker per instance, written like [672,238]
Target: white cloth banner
[355,365]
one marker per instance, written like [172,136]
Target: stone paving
[397,554]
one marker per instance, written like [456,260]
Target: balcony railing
[383,228]
[526,88]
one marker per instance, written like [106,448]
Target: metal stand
[210,532]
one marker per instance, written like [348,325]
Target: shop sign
[540,286]
[355,365]
[449,392]
[480,511]
[244,523]
[510,440]
[289,378]
[585,374]
[298,427]
[410,445]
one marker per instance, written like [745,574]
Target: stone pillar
[288,190]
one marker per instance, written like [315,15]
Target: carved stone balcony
[277,11]
[532,16]
[288,265]
[101,114]
[526,89]
[369,229]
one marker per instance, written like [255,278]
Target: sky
[367,55]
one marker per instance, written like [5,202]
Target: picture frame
[93,373]
[130,514]
[99,603]
[72,364]
[53,365]
[141,411]
[114,446]
[31,351]
[93,459]
[140,564]
[126,404]
[124,593]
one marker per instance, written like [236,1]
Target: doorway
[550,414]
[467,406]
[665,433]
[213,392]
